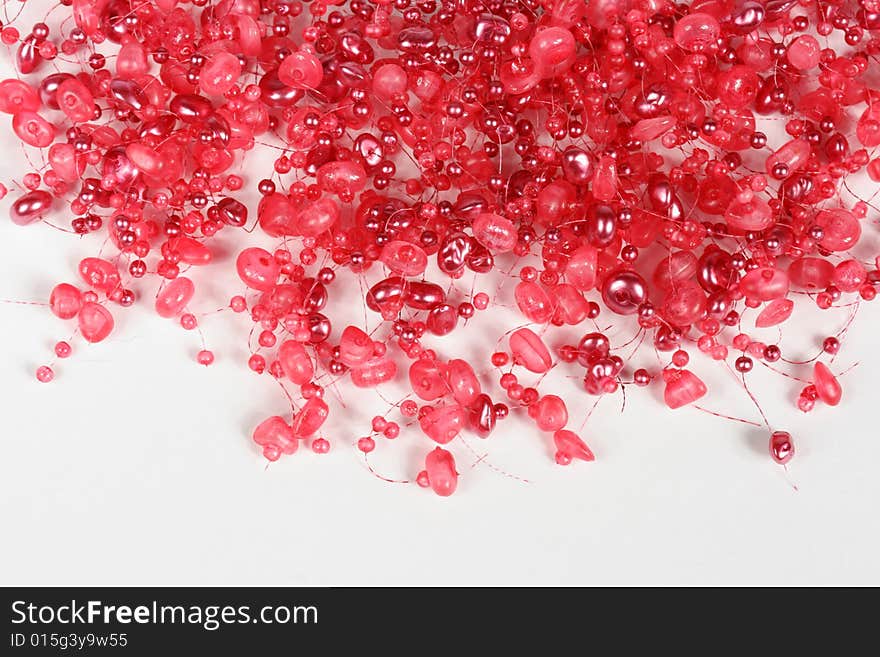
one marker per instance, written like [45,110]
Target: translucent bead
[570,444]
[403,258]
[75,100]
[30,207]
[555,202]
[776,312]
[444,423]
[193,252]
[389,80]
[678,266]
[552,49]
[427,380]
[276,437]
[534,302]
[100,274]
[33,129]
[342,177]
[462,381]
[827,386]
[440,468]
[840,229]
[95,322]
[301,70]
[684,304]
[494,232]
[696,32]
[811,273]
[310,417]
[683,387]
[605,179]
[65,162]
[318,217]
[582,267]
[174,297]
[571,306]
[17,96]
[530,351]
[804,52]
[131,61]
[849,275]
[295,362]
[738,86]
[219,74]
[549,413]
[793,154]
[355,347]
[765,284]
[373,373]
[65,301]
[749,213]
[257,269]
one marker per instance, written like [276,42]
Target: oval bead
[403,258]
[257,269]
[462,381]
[276,437]
[172,299]
[494,232]
[355,347]
[530,351]
[549,413]
[776,312]
[570,444]
[427,380]
[318,217]
[440,468]
[219,74]
[534,302]
[295,362]
[765,284]
[33,129]
[310,418]
[17,96]
[30,207]
[811,273]
[373,373]
[100,274]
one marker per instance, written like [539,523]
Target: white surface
[135,467]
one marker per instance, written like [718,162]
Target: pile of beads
[616,158]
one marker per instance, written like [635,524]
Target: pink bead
[389,80]
[30,207]
[301,70]
[571,306]
[868,126]
[605,179]
[534,302]
[738,86]
[696,32]
[462,381]
[131,61]
[440,469]
[276,437]
[623,292]
[17,96]
[65,301]
[765,284]
[793,155]
[675,268]
[444,423]
[318,217]
[257,269]
[193,252]
[355,347]
[75,100]
[220,74]
[65,163]
[549,413]
[776,312]
[426,378]
[841,230]
[849,275]
[826,383]
[555,202]
[373,373]
[530,351]
[581,269]
[100,274]
[781,447]
[95,322]
[295,362]
[494,232]
[310,417]
[804,52]
[684,304]
[403,258]
[342,177]
[552,49]
[811,273]
[750,214]
[174,297]
[683,387]
[33,129]
[570,444]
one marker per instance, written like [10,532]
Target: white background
[135,465]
